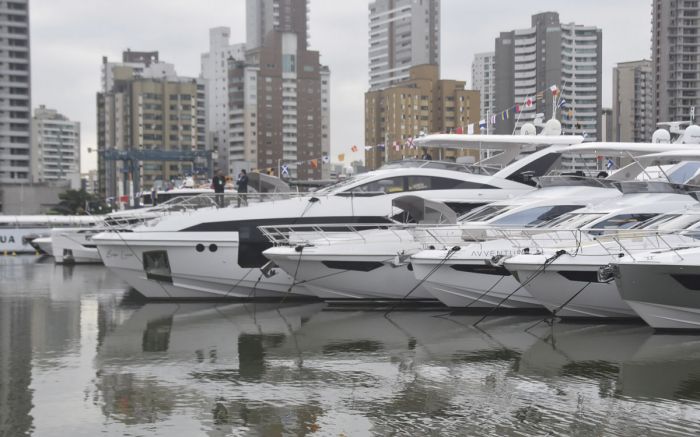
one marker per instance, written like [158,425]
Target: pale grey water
[76,360]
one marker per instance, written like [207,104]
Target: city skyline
[69,39]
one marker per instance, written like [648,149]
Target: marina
[80,357]
[373,218]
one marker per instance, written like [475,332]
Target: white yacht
[571,284]
[376,263]
[74,246]
[662,286]
[561,268]
[217,252]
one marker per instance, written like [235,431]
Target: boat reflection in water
[271,369]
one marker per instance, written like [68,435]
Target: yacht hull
[72,247]
[570,289]
[202,266]
[369,276]
[666,296]
[457,283]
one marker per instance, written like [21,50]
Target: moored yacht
[217,252]
[561,267]
[662,286]
[376,263]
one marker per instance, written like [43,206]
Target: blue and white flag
[610,164]
[482,124]
[285,170]
[562,103]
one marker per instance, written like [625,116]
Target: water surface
[78,359]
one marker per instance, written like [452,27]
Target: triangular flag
[314,163]
[470,129]
[459,130]
[528,102]
[517,109]
[341,157]
[554,90]
[325,159]
[482,124]
[353,148]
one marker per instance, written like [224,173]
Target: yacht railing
[523,240]
[613,242]
[325,234]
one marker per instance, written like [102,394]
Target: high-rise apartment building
[264,16]
[279,108]
[483,79]
[421,104]
[147,106]
[55,147]
[633,101]
[214,70]
[676,58]
[549,53]
[402,33]
[15,86]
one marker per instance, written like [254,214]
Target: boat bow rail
[332,233]
[613,242]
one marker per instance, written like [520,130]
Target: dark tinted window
[624,221]
[419,183]
[387,185]
[535,216]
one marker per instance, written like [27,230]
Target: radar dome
[552,128]
[691,135]
[528,129]
[661,136]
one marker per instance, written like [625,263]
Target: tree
[74,202]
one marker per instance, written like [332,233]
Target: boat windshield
[342,184]
[486,212]
[534,216]
[572,220]
[625,221]
[677,222]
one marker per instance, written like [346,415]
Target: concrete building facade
[15,86]
[402,34]
[214,70]
[549,53]
[147,107]
[676,58]
[55,147]
[483,79]
[419,105]
[279,98]
[633,101]
[264,16]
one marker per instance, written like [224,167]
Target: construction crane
[130,162]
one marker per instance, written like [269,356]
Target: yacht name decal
[490,253]
[7,239]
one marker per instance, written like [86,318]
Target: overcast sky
[69,38]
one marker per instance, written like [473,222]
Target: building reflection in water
[40,324]
[74,354]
